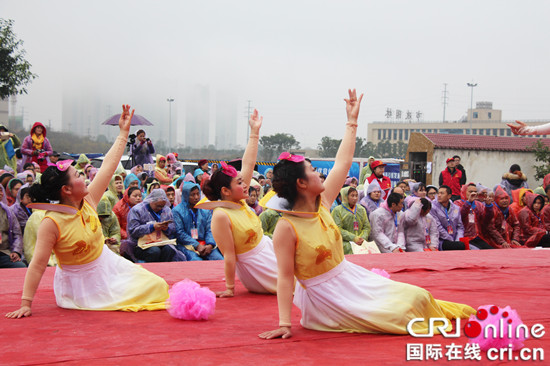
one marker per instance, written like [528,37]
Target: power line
[444,100]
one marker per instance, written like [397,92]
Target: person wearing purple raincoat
[11,245]
[19,208]
[384,222]
[369,201]
[448,220]
[153,214]
[142,149]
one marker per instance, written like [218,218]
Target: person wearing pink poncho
[533,231]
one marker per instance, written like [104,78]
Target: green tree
[360,147]
[15,71]
[102,138]
[542,154]
[328,147]
[370,150]
[401,149]
[384,149]
[273,145]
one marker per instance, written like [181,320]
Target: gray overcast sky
[294,59]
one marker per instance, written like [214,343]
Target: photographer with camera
[36,147]
[142,149]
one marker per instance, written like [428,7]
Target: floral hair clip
[63,165]
[294,158]
[228,170]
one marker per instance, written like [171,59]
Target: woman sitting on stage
[333,294]
[89,275]
[236,228]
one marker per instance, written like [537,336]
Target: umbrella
[137,120]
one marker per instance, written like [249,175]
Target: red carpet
[519,278]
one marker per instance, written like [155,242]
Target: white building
[481,121]
[485,158]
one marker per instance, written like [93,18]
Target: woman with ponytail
[333,294]
[236,228]
[89,276]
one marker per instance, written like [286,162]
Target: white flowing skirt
[109,283]
[352,299]
[257,268]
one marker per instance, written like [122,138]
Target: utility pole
[472,86]
[170,100]
[444,101]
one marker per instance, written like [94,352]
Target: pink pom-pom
[380,272]
[505,320]
[188,301]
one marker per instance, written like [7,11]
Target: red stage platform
[519,278]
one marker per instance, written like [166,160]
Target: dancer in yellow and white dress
[236,228]
[333,294]
[89,276]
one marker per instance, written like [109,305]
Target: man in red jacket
[377,168]
[451,177]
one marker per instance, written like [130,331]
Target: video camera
[41,155]
[131,139]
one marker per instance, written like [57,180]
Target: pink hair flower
[63,165]
[228,170]
[294,158]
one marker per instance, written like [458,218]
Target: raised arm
[111,160]
[15,140]
[344,156]
[522,129]
[249,157]
[413,213]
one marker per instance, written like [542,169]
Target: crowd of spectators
[457,215]
[143,206]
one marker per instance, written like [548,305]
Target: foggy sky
[294,59]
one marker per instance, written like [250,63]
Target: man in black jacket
[461,168]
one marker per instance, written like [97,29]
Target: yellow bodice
[80,236]
[245,226]
[319,243]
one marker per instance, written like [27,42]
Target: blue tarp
[393,171]
[90,156]
[325,167]
[322,166]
